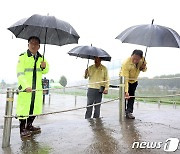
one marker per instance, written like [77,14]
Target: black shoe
[130,116]
[25,133]
[33,129]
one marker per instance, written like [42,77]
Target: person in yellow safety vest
[30,69]
[130,69]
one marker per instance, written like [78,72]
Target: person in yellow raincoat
[96,73]
[30,69]
[131,69]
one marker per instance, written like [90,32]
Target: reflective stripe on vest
[31,70]
[20,73]
[28,70]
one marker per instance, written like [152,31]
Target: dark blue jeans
[130,102]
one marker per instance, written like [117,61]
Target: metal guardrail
[10,97]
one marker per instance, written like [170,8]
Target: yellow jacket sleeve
[106,79]
[125,72]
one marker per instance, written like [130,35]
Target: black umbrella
[49,29]
[89,52]
[150,36]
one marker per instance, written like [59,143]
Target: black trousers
[26,122]
[130,102]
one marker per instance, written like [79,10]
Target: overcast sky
[97,22]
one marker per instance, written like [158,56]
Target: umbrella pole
[45,44]
[44,51]
[145,53]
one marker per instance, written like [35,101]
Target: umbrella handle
[152,22]
[88,63]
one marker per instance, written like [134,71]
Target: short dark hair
[34,37]
[137,52]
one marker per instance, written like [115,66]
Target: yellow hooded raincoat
[29,74]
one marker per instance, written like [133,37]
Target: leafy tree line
[164,81]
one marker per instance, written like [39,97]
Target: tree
[3,84]
[52,81]
[63,82]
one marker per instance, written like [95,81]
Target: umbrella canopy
[49,29]
[89,52]
[150,36]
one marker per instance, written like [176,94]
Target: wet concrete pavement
[70,133]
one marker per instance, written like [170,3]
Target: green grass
[162,100]
[112,94]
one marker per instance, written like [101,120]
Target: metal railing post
[159,104]
[43,99]
[75,101]
[49,98]
[121,99]
[8,120]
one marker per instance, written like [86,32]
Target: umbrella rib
[177,41]
[21,30]
[58,36]
[57,32]
[40,32]
[151,34]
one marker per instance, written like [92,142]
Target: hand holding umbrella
[43,64]
[86,73]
